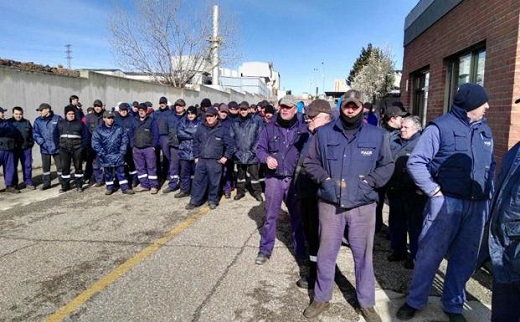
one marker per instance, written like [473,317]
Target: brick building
[451,42]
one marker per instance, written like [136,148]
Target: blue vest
[143,134]
[464,161]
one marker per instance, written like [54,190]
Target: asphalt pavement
[90,257]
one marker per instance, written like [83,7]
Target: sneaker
[30,187]
[12,190]
[128,192]
[109,192]
[212,205]
[370,314]
[140,188]
[405,312]
[315,309]
[261,259]
[258,197]
[181,195]
[239,196]
[154,191]
[190,206]
[167,190]
[456,317]
[396,257]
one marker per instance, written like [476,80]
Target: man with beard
[279,148]
[349,159]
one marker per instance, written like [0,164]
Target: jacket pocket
[328,191]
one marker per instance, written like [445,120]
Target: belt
[70,136]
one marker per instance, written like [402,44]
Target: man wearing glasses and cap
[279,148]
[349,159]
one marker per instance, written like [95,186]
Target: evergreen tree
[360,62]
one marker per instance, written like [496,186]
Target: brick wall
[495,22]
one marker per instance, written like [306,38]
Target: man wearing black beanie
[453,165]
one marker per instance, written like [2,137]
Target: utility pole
[215,41]
[68,52]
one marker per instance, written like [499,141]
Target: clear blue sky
[296,35]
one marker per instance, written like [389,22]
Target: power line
[69,55]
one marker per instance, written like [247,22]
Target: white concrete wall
[30,89]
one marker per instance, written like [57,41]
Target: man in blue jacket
[279,148]
[453,165]
[212,148]
[110,142]
[349,159]
[23,153]
[162,117]
[128,121]
[10,139]
[245,131]
[504,240]
[47,137]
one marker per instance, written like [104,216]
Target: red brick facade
[493,22]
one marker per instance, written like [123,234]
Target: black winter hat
[143,106]
[163,100]
[192,110]
[269,109]
[205,103]
[97,103]
[470,96]
[69,108]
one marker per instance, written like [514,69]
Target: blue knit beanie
[470,96]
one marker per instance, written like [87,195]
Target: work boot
[79,184]
[190,206]
[212,205]
[370,314]
[181,194]
[456,317]
[258,197]
[12,189]
[405,312]
[30,187]
[315,309]
[167,190]
[128,192]
[109,192]
[239,196]
[154,191]
[140,188]
[261,259]
[46,182]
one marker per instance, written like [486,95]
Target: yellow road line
[122,269]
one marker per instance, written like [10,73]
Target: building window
[467,67]
[420,85]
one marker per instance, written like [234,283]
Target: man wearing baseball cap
[453,164]
[349,159]
[279,148]
[212,148]
[47,137]
[110,141]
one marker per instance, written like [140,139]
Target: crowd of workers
[333,169]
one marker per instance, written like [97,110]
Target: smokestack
[215,43]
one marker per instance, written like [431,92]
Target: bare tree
[377,77]
[168,39]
